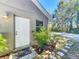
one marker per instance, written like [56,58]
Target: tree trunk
[70,25]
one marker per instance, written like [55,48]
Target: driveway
[69,35]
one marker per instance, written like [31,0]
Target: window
[38,24]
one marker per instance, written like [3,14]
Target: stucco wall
[22,8]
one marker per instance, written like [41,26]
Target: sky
[49,5]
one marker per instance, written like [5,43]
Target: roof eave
[42,9]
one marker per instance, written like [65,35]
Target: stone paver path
[74,52]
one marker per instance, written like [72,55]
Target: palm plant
[42,36]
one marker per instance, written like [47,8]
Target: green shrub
[42,36]
[3,45]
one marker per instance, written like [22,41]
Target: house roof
[42,9]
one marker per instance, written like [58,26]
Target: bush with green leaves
[3,46]
[42,36]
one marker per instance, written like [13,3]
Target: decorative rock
[53,53]
[47,52]
[52,57]
[34,53]
[67,47]
[69,44]
[45,56]
[65,50]
[60,54]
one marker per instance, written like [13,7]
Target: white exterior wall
[22,8]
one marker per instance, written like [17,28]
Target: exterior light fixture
[6,16]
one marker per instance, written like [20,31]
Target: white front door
[22,31]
